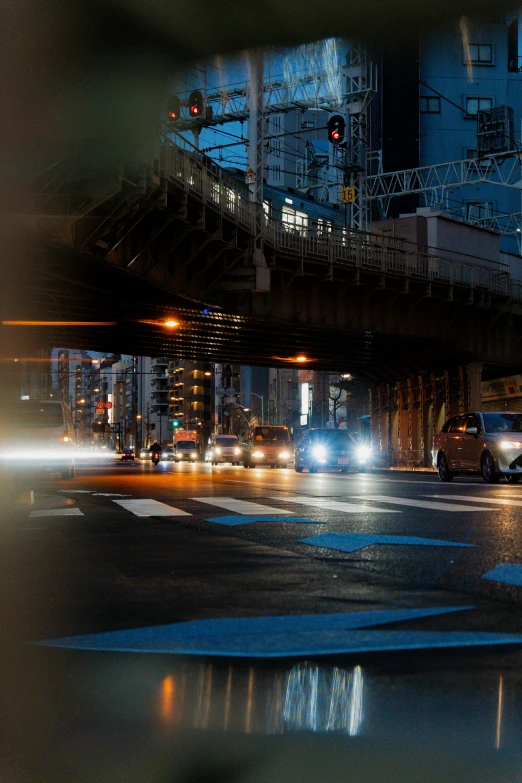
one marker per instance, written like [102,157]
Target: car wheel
[313,468]
[246,463]
[284,465]
[445,473]
[489,474]
[513,478]
[299,468]
[344,470]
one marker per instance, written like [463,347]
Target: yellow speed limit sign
[347,195]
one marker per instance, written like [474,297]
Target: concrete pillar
[474,390]
[462,389]
[424,419]
[452,393]
[403,417]
[375,416]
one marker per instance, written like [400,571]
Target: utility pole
[256,150]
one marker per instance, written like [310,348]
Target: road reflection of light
[499,712]
[319,699]
[207,698]
[250,701]
[168,690]
[228,697]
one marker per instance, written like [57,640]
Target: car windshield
[333,437]
[503,422]
[226,441]
[271,435]
[185,444]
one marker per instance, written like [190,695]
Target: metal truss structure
[500,169]
[303,91]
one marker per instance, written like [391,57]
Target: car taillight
[66,436]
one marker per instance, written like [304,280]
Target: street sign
[250,177]
[271,411]
[347,195]
[104,405]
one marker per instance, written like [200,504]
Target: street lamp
[261,397]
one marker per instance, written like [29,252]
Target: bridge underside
[133,248]
[58,284]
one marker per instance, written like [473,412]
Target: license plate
[343,461]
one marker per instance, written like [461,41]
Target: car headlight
[284,455]
[510,444]
[319,452]
[237,450]
[194,455]
[218,450]
[258,454]
[363,453]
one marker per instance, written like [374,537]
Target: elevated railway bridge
[175,238]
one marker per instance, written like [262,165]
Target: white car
[486,442]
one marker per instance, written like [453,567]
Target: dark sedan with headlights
[324,449]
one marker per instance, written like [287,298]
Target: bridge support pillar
[474,390]
[403,423]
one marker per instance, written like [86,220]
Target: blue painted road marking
[509,573]
[274,637]
[351,542]
[244,520]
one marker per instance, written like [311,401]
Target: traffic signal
[175,424]
[195,103]
[174,108]
[336,127]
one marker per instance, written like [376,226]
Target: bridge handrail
[204,179]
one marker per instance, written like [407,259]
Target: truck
[267,445]
[187,445]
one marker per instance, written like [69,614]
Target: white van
[224,448]
[37,436]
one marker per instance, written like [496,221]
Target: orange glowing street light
[171,323]
[302,358]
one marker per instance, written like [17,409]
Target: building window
[473,105]
[293,220]
[479,54]
[477,210]
[429,104]
[305,125]
[276,172]
[276,124]
[275,147]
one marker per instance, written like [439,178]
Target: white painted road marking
[474,498]
[242,506]
[57,512]
[419,503]
[151,508]
[335,505]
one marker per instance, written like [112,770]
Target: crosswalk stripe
[241,506]
[57,512]
[151,508]
[334,505]
[473,498]
[420,503]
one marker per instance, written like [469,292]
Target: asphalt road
[129,548]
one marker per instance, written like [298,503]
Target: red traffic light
[195,103]
[336,127]
[174,108]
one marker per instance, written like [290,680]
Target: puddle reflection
[307,697]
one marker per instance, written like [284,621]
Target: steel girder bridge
[175,238]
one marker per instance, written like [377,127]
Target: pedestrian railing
[339,246]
